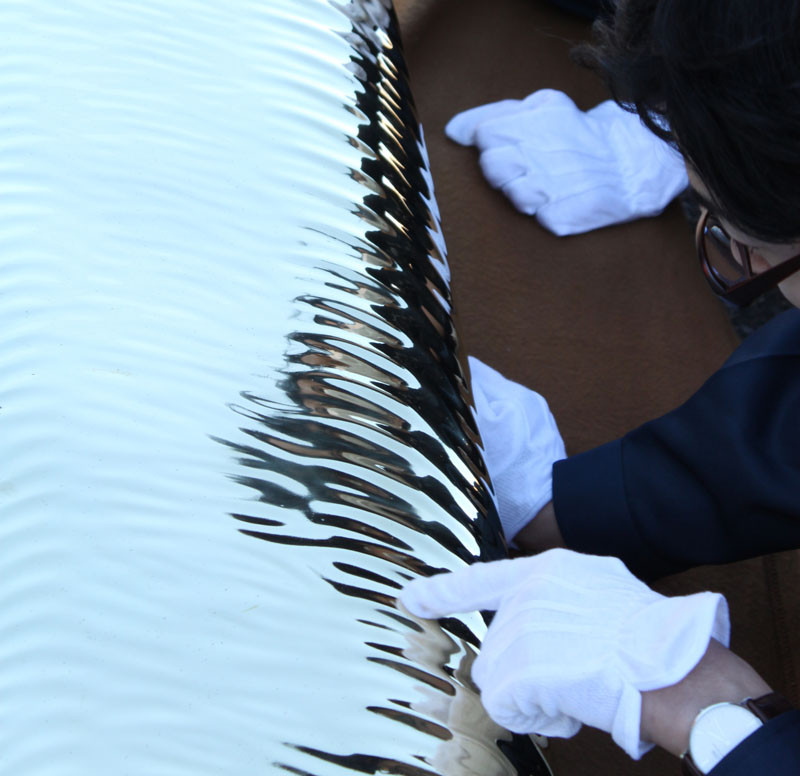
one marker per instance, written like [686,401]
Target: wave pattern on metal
[232,423]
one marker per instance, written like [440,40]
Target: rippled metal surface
[231,419]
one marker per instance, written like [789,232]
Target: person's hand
[575,171]
[575,639]
[521,444]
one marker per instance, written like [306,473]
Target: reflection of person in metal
[577,638]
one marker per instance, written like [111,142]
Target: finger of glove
[551,97]
[462,127]
[480,586]
[528,194]
[609,111]
[483,380]
[570,178]
[586,209]
[515,705]
[509,410]
[493,384]
[492,391]
[591,587]
[552,125]
[502,165]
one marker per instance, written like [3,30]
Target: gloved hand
[576,639]
[521,444]
[575,171]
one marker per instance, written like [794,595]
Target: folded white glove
[521,444]
[576,639]
[575,171]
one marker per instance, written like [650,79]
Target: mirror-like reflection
[376,433]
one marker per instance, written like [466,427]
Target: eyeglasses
[727,266]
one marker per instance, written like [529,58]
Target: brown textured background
[614,328]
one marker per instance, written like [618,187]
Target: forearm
[668,713]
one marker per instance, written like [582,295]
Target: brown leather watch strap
[769,706]
[766,707]
[688,768]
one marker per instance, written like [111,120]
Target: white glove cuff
[515,519]
[628,722]
[679,631]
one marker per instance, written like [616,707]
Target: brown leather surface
[614,328]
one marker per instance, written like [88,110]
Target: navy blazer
[714,481]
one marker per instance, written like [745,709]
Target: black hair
[720,80]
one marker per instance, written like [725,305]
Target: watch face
[717,731]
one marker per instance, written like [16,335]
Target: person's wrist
[540,533]
[721,676]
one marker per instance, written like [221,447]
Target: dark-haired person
[577,638]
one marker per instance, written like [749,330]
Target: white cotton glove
[521,444]
[576,639]
[575,171]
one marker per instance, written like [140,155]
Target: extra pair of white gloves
[576,638]
[574,170]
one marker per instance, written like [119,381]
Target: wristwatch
[717,730]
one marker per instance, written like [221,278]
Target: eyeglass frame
[746,290]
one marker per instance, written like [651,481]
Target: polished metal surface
[232,423]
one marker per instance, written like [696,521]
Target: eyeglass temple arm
[756,285]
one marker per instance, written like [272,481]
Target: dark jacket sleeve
[714,481]
[773,749]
